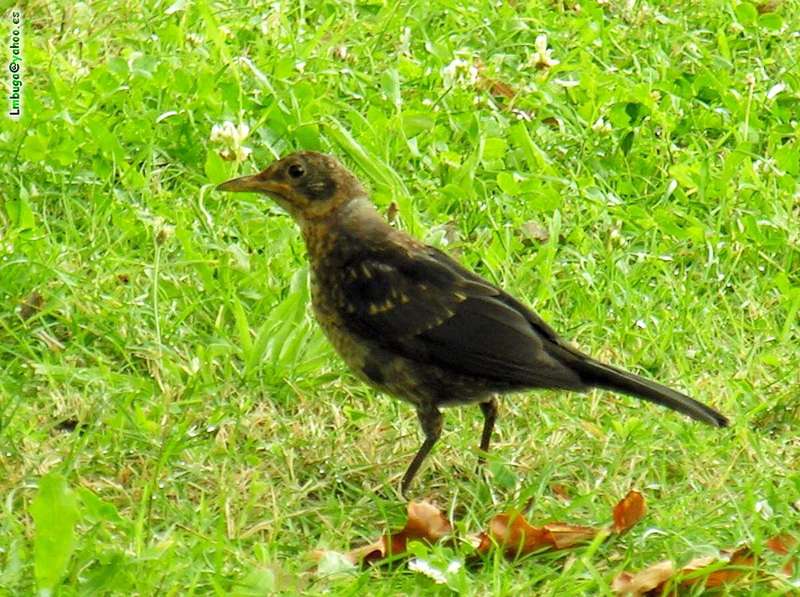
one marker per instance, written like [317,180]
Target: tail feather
[599,375]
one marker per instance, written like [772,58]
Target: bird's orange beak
[262,182]
[245,184]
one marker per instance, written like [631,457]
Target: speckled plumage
[417,325]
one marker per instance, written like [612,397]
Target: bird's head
[307,184]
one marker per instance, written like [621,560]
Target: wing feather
[429,308]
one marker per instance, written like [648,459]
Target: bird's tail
[599,375]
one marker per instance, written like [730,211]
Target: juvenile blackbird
[414,323]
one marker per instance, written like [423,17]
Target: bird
[414,323]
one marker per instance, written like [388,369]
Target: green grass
[157,351]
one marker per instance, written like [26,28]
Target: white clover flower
[543,56]
[460,72]
[194,39]
[601,125]
[426,568]
[231,137]
[435,574]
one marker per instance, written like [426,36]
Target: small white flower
[231,137]
[601,125]
[750,79]
[435,574]
[460,72]
[425,567]
[194,39]
[542,56]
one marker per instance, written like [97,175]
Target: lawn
[172,420]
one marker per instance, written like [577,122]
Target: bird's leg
[489,410]
[431,421]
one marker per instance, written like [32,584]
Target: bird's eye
[296,171]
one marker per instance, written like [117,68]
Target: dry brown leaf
[630,510]
[782,545]
[568,535]
[738,559]
[425,523]
[653,580]
[497,87]
[649,581]
[517,537]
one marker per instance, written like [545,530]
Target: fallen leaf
[425,523]
[568,535]
[630,510]
[783,545]
[653,580]
[497,87]
[649,581]
[517,537]
[738,559]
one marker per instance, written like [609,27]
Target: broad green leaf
[507,183]
[54,511]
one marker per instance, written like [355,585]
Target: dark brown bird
[414,323]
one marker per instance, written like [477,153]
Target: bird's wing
[426,307]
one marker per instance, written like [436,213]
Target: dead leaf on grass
[517,537]
[783,545]
[425,523]
[630,510]
[653,579]
[646,582]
